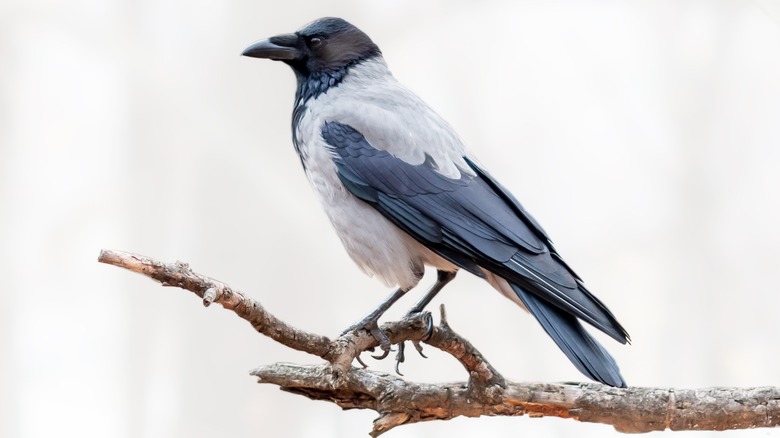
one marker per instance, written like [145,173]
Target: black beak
[280,47]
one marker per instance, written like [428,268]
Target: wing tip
[584,352]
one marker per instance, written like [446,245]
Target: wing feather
[471,221]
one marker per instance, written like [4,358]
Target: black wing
[475,223]
[471,221]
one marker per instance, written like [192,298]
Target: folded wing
[476,224]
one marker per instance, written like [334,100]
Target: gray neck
[313,85]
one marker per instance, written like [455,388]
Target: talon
[380,336]
[399,358]
[397,371]
[370,322]
[373,328]
[382,355]
[360,361]
[429,329]
[419,348]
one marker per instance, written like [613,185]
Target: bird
[403,192]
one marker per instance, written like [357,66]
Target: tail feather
[587,355]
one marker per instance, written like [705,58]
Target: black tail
[582,350]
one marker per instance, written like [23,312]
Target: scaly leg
[442,278]
[370,322]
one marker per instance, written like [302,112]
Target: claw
[372,327]
[399,358]
[384,343]
[419,348]
[381,355]
[380,336]
[360,361]
[429,329]
[370,322]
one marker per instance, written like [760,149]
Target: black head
[323,46]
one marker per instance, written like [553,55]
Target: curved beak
[280,48]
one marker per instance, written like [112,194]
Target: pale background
[644,136]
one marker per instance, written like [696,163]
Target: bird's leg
[442,278]
[370,322]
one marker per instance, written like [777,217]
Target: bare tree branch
[178,274]
[486,392]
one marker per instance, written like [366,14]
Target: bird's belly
[379,247]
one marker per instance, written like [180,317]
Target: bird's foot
[400,357]
[371,324]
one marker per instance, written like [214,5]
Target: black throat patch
[311,86]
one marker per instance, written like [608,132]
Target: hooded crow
[403,192]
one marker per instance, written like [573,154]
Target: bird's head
[325,45]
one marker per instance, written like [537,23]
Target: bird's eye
[315,42]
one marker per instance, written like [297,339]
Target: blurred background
[644,136]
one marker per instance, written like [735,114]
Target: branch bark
[486,392]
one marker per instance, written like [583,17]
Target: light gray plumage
[403,192]
[369,93]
